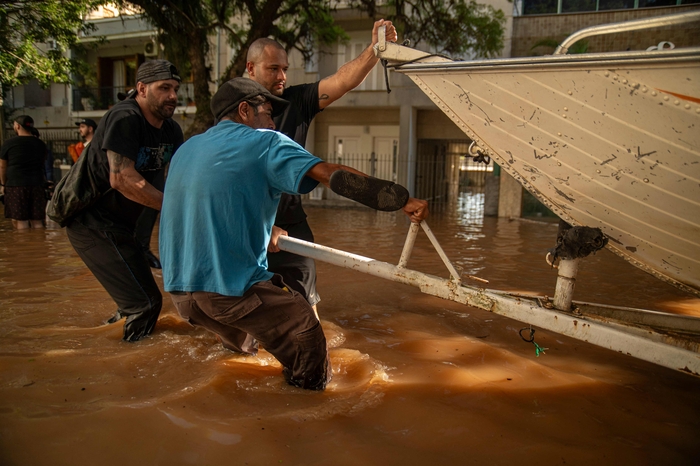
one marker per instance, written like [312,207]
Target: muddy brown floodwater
[418,380]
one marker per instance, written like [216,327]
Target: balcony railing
[86,99]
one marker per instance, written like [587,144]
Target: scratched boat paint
[418,380]
[608,140]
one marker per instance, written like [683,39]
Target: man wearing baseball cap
[86,128]
[130,149]
[217,225]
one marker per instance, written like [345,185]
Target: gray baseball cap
[156,70]
[237,90]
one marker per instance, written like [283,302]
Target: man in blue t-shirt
[217,224]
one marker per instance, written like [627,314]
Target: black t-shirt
[294,122]
[125,131]
[25,157]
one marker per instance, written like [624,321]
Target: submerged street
[417,380]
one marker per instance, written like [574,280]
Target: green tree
[454,26]
[23,25]
[296,24]
[184,26]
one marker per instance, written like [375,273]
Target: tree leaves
[34,36]
[460,28]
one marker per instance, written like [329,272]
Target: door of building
[383,158]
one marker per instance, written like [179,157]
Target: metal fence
[443,170]
[378,165]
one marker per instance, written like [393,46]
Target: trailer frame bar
[630,336]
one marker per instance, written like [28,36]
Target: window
[35,96]
[615,4]
[572,6]
[540,7]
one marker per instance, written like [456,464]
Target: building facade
[401,136]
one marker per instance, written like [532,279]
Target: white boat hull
[609,141]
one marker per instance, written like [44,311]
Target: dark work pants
[118,263]
[280,319]
[144,227]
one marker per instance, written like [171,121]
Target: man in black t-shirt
[267,64]
[133,144]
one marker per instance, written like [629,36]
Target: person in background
[22,176]
[267,64]
[217,225]
[48,163]
[86,128]
[132,146]
[48,172]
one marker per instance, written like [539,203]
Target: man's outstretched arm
[351,74]
[373,189]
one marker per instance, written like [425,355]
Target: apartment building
[400,135]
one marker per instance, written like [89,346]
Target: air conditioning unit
[150,49]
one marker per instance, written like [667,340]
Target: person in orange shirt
[87,127]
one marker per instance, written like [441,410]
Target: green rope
[531,339]
[539,349]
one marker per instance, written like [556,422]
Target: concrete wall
[336,116]
[119,27]
[506,6]
[434,124]
[510,196]
[47,117]
[528,30]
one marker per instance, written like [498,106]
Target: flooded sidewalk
[417,380]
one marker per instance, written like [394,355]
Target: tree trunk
[2,119]
[203,119]
[261,26]
[238,65]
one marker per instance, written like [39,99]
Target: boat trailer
[665,339]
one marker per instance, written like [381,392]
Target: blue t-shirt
[219,206]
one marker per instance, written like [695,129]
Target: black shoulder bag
[76,191]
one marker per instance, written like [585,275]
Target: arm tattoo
[116,162]
[324,97]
